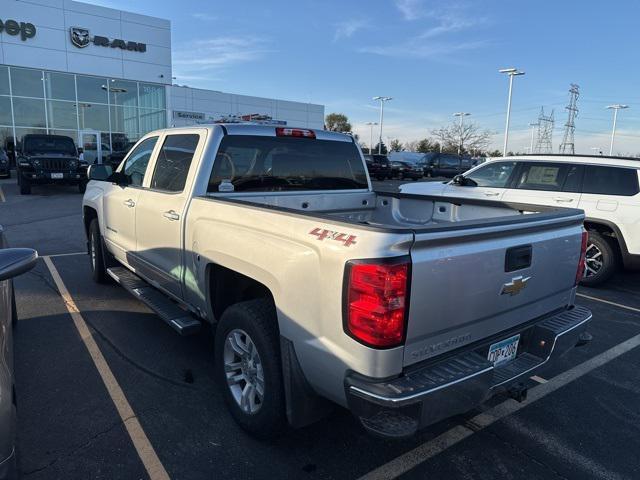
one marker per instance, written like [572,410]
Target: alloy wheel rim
[244,371]
[593,260]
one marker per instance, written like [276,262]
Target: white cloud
[348,28]
[216,53]
[418,48]
[204,16]
[410,9]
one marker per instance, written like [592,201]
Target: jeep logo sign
[81,38]
[24,29]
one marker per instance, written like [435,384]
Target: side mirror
[16,261]
[463,181]
[101,173]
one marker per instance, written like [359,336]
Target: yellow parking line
[145,450]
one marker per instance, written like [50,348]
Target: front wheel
[96,254]
[601,260]
[248,367]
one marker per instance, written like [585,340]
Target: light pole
[615,109]
[512,72]
[461,115]
[533,129]
[381,100]
[371,124]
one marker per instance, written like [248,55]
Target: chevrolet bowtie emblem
[515,286]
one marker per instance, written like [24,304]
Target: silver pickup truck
[404,309]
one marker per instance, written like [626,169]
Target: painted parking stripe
[55,255]
[430,449]
[538,379]
[145,450]
[602,300]
[2,194]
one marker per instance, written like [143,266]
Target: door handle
[563,199]
[129,203]
[171,215]
[492,194]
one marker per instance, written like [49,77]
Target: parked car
[49,159]
[13,262]
[606,188]
[378,166]
[447,165]
[324,291]
[5,167]
[404,170]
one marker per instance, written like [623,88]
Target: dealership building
[104,78]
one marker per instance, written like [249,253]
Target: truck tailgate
[462,291]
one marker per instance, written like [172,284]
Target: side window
[174,160]
[610,180]
[542,176]
[573,183]
[137,161]
[493,174]
[449,162]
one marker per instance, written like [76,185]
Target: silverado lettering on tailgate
[441,346]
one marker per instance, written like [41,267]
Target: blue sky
[434,58]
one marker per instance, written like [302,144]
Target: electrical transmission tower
[544,140]
[568,145]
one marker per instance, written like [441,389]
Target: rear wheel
[248,367]
[601,260]
[96,254]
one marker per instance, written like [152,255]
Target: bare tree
[395,145]
[469,137]
[411,146]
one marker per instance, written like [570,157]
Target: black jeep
[43,159]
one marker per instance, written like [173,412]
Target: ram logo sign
[81,37]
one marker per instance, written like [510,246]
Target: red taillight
[583,257]
[377,301]
[294,132]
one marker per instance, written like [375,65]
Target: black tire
[258,319]
[25,187]
[96,254]
[608,256]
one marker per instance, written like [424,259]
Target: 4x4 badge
[515,286]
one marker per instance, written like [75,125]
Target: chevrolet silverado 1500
[404,309]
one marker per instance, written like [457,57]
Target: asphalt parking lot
[582,418]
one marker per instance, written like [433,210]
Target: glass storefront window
[60,86]
[124,119]
[29,112]
[92,89]
[62,114]
[26,82]
[5,111]
[93,117]
[152,96]
[124,93]
[4,80]
[152,120]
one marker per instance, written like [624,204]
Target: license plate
[503,351]
[57,175]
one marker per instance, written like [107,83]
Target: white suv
[606,188]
